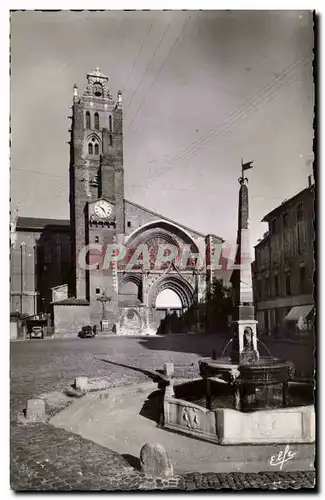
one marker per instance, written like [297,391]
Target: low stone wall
[283,425]
[227,426]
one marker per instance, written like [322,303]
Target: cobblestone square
[46,458]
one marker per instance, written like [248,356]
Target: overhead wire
[239,113]
[136,58]
[214,193]
[159,71]
[38,173]
[148,65]
[236,115]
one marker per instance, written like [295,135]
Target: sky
[201,90]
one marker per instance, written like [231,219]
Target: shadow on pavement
[201,344]
[154,376]
[153,406]
[299,351]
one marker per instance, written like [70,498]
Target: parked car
[87,331]
[36,332]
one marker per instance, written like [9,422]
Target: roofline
[21,225]
[263,240]
[285,203]
[170,220]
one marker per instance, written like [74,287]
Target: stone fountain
[245,396]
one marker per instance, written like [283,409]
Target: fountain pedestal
[258,383]
[246,383]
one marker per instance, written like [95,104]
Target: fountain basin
[259,385]
[266,369]
[190,416]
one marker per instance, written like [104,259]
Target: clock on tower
[102,209]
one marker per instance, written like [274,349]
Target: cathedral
[47,273]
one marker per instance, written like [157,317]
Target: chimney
[309,180]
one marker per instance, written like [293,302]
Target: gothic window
[96,121]
[96,239]
[110,123]
[98,90]
[93,146]
[88,123]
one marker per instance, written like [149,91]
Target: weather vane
[244,166]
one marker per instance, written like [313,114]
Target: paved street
[43,457]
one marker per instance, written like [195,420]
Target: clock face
[103,209]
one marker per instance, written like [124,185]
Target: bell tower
[96,174]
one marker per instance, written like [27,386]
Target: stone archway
[157,233]
[152,276]
[178,284]
[130,286]
[183,289]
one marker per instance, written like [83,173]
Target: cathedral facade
[120,297]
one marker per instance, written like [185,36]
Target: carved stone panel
[130,322]
[190,417]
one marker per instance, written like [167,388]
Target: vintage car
[36,327]
[36,332]
[87,331]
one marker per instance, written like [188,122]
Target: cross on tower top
[96,75]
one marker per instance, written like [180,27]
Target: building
[40,259]
[284,267]
[46,270]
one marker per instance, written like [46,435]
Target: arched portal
[168,304]
[177,284]
[180,288]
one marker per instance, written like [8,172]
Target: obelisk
[244,343]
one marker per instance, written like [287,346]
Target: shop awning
[299,312]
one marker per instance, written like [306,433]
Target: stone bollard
[35,410]
[81,383]
[155,462]
[169,369]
